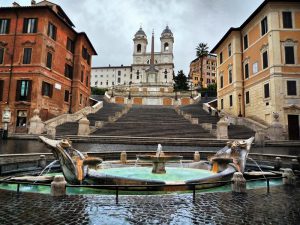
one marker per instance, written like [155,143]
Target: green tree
[98,91]
[201,53]
[181,82]
[210,91]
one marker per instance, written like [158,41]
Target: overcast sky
[111,24]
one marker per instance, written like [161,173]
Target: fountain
[79,168]
[159,160]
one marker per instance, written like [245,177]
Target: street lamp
[6,116]
[240,105]
[112,91]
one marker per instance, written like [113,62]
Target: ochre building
[258,66]
[208,73]
[44,63]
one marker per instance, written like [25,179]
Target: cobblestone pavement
[280,206]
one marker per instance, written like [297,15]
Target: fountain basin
[174,174]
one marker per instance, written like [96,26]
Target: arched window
[166,47]
[139,48]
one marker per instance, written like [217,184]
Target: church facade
[136,73]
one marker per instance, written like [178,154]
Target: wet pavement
[280,206]
[31,146]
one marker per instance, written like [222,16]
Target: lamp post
[6,116]
[112,91]
[240,105]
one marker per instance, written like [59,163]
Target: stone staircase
[197,111]
[103,114]
[153,121]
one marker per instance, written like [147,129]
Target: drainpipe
[6,124]
[243,90]
[71,92]
[12,58]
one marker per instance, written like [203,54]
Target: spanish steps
[154,121]
[108,109]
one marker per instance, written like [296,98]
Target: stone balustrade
[37,126]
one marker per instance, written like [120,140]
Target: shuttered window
[289,55]
[70,45]
[230,100]
[27,55]
[68,71]
[67,94]
[291,87]
[287,20]
[1,55]
[265,60]
[221,57]
[47,89]
[1,90]
[4,26]
[52,31]
[245,41]
[221,82]
[49,60]
[247,97]
[30,25]
[246,71]
[264,26]
[267,90]
[23,92]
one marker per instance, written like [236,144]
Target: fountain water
[136,161]
[159,160]
[47,167]
[258,167]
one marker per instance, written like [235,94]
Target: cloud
[111,24]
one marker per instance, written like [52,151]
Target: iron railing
[118,187]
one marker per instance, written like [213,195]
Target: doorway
[21,123]
[293,126]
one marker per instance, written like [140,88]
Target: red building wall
[14,43]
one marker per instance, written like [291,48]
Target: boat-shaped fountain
[78,168]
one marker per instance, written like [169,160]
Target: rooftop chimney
[15,4]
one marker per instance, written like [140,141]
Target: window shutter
[29,90]
[18,90]
[54,33]
[43,88]
[51,91]
[1,55]
[35,25]
[1,89]
[7,26]
[48,32]
[25,25]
